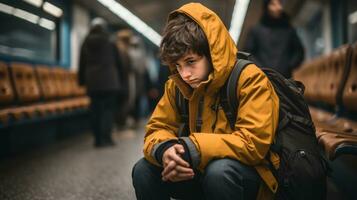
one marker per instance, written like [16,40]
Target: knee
[232,177]
[143,172]
[227,171]
[216,173]
[139,170]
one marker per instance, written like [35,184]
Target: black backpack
[302,171]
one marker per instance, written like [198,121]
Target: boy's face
[193,68]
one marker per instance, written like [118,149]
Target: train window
[28,32]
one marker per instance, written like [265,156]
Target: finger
[179,148]
[184,170]
[166,163]
[171,174]
[180,177]
[172,164]
[179,160]
[169,153]
[167,156]
[186,173]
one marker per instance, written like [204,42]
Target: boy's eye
[191,61]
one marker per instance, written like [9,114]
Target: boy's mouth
[194,84]
[193,81]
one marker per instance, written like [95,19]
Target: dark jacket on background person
[99,67]
[275,44]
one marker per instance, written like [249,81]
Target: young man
[213,161]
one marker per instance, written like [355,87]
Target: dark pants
[223,179]
[102,116]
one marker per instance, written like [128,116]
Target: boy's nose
[186,74]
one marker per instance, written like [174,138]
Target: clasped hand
[175,168]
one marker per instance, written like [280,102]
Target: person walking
[99,72]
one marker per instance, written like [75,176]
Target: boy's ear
[172,69]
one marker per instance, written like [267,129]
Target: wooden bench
[35,93]
[331,79]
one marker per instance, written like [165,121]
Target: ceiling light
[48,24]
[239,12]
[26,15]
[352,18]
[132,20]
[6,9]
[36,3]
[52,9]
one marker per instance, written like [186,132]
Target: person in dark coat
[99,71]
[273,42]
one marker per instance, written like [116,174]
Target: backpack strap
[182,106]
[228,93]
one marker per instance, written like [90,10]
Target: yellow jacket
[257,117]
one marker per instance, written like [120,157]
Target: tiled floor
[73,169]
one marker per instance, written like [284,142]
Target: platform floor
[72,169]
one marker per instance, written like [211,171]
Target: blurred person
[132,49]
[152,79]
[122,41]
[99,71]
[274,42]
[138,55]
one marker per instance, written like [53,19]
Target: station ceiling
[154,12]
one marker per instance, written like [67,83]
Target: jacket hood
[222,48]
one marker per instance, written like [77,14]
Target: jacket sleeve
[163,124]
[255,126]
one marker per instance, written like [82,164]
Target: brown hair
[182,35]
